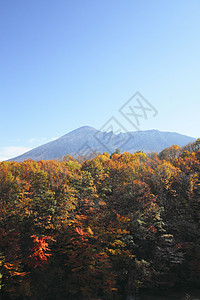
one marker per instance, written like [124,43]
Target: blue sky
[70,63]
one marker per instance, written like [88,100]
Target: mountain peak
[80,131]
[84,128]
[86,139]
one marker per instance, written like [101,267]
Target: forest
[100,228]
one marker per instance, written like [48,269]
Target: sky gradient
[66,64]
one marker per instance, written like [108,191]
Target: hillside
[103,228]
[85,140]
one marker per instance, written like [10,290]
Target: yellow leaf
[90,231]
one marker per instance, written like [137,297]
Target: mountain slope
[86,139]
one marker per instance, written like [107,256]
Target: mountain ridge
[86,139]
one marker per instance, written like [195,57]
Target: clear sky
[70,63]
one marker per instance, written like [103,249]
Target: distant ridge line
[74,142]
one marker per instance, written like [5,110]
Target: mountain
[85,140]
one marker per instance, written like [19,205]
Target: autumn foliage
[101,228]
[39,254]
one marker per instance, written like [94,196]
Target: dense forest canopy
[100,228]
